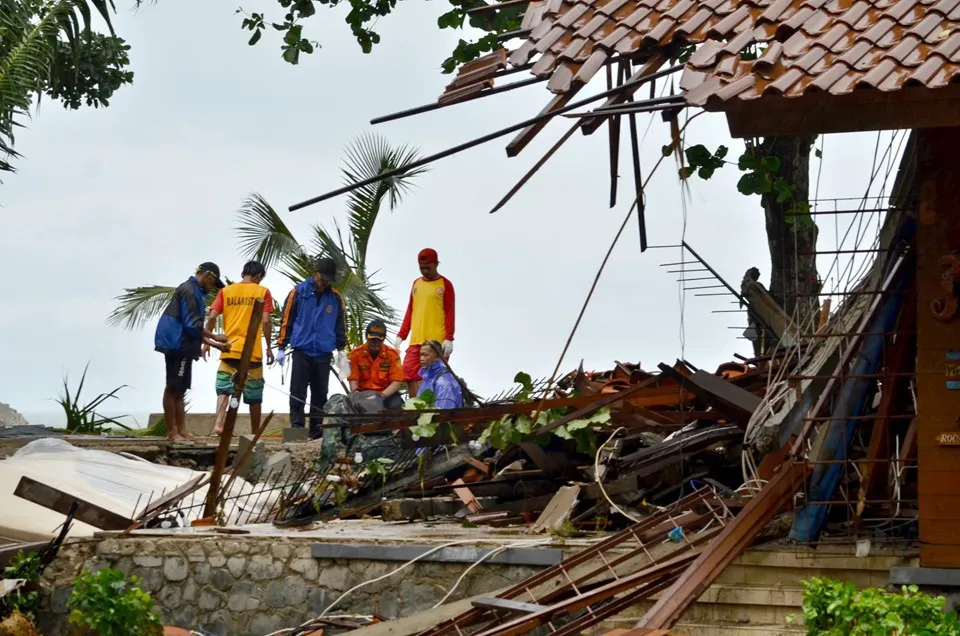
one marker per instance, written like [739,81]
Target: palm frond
[24,64]
[263,234]
[361,296]
[365,158]
[140,305]
[31,34]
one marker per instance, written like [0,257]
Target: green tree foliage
[363,16]
[760,177]
[836,608]
[264,236]
[49,48]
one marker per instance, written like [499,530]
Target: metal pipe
[485,138]
[438,105]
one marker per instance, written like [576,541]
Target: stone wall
[256,585]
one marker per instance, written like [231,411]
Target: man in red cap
[430,316]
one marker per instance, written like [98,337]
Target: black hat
[377,329]
[327,268]
[213,269]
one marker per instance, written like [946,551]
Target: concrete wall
[202,423]
[240,586]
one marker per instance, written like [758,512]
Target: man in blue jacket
[180,335]
[314,325]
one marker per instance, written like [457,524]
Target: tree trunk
[794,281]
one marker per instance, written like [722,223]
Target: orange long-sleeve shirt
[430,311]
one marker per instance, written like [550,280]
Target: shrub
[22,566]
[835,608]
[105,604]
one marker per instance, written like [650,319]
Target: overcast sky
[143,191]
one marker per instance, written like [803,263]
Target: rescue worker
[314,325]
[375,366]
[429,316]
[235,303]
[437,378]
[180,337]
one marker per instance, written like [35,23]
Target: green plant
[104,603]
[425,427]
[83,418]
[837,608]
[520,427]
[759,177]
[23,566]
[380,467]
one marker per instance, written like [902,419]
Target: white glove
[397,343]
[281,356]
[447,348]
[342,363]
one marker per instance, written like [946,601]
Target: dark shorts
[179,372]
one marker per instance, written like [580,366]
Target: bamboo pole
[223,451]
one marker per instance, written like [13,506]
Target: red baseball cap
[427,256]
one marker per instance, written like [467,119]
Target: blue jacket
[446,389]
[313,324]
[180,329]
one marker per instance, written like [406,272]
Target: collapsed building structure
[839,431]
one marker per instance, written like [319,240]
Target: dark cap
[377,329]
[213,269]
[327,268]
[427,256]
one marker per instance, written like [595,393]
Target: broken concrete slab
[253,464]
[277,464]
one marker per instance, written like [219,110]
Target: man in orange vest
[235,303]
[375,366]
[430,316]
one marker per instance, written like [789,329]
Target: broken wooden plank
[480,465]
[59,501]
[735,537]
[467,497]
[506,605]
[719,393]
[558,510]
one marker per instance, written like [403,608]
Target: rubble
[9,417]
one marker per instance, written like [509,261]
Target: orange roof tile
[805,46]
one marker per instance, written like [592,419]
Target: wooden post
[253,333]
[938,400]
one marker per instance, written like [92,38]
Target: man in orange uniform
[376,367]
[430,316]
[235,304]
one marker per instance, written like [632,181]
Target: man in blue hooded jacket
[314,325]
[180,335]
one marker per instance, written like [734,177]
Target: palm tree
[30,31]
[264,236]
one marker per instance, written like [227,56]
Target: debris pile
[592,452]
